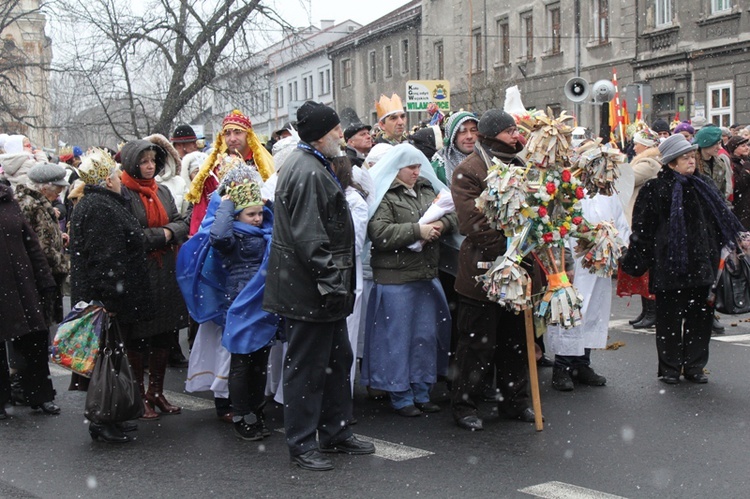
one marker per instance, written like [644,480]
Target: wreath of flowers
[556,208]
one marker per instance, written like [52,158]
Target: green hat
[707,136]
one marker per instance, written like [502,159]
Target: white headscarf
[14,144]
[385,171]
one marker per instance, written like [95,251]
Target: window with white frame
[324,77]
[720,103]
[280,98]
[720,6]
[663,13]
[600,9]
[553,28]
[305,88]
[310,84]
[372,66]
[388,61]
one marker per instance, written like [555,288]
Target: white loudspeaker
[603,90]
[577,89]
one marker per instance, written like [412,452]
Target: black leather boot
[642,314]
[649,320]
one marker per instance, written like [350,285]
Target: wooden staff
[536,400]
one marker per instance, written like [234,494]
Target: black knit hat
[183,133]
[354,129]
[495,121]
[660,125]
[314,120]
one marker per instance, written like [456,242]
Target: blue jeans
[419,392]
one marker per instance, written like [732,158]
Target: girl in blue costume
[222,273]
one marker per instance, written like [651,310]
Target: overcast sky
[305,12]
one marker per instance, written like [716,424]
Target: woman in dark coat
[739,148]
[680,223]
[25,284]
[107,258]
[165,229]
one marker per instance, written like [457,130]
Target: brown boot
[157,367]
[136,363]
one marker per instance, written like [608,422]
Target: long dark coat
[649,242]
[170,309]
[108,257]
[24,272]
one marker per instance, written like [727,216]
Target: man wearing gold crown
[391,119]
[236,144]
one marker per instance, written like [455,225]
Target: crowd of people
[289,261]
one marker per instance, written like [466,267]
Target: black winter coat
[741,182]
[24,273]
[171,312]
[649,242]
[108,256]
[311,265]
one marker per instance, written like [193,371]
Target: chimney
[326,23]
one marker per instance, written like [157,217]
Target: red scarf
[156,215]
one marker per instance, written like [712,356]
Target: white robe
[596,291]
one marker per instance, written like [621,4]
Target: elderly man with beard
[310,283]
[488,333]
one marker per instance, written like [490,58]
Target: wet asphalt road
[634,438]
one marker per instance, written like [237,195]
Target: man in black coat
[310,283]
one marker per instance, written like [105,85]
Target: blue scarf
[202,280]
[729,225]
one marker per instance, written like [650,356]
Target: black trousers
[683,330]
[34,375]
[489,334]
[247,381]
[317,394]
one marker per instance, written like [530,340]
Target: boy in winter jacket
[241,234]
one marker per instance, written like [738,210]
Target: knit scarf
[156,215]
[729,225]
[499,149]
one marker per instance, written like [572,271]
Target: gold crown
[64,151]
[96,166]
[244,194]
[387,106]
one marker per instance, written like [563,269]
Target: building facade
[377,59]
[694,57]
[25,56]
[279,79]
[484,47]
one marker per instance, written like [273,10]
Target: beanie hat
[673,147]
[733,143]
[684,127]
[314,120]
[236,120]
[495,121]
[660,125]
[707,136]
[183,133]
[48,173]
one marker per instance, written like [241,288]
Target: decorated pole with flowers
[538,207]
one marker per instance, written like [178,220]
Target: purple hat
[684,127]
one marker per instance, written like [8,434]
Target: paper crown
[66,154]
[386,106]
[244,194]
[96,166]
[236,119]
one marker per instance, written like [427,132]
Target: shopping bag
[76,343]
[731,291]
[113,394]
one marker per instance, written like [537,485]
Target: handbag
[76,343]
[113,394]
[732,288]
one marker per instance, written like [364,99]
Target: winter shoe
[561,380]
[248,428]
[649,319]
[586,376]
